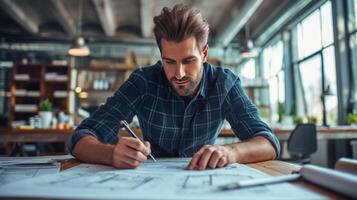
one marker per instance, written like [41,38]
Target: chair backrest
[303,140]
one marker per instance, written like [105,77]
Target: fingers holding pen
[130,153]
[139,145]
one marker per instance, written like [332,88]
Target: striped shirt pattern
[175,128]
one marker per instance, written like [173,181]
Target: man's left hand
[212,156]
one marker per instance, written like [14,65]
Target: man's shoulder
[148,72]
[220,75]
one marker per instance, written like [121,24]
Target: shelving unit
[256,94]
[97,84]
[5,94]
[35,82]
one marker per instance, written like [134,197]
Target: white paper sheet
[165,179]
[4,161]
[13,174]
[18,168]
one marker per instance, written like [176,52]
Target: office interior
[297,61]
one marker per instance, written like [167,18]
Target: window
[247,69]
[273,71]
[352,29]
[315,66]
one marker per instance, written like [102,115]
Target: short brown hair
[179,23]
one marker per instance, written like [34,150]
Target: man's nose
[180,72]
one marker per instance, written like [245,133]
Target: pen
[261,181]
[126,125]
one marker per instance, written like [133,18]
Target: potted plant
[311,119]
[352,119]
[288,119]
[298,120]
[281,111]
[45,112]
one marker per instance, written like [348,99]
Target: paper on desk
[18,168]
[33,160]
[9,174]
[165,179]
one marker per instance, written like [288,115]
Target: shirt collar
[203,85]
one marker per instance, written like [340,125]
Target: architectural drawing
[108,181]
[165,179]
[205,183]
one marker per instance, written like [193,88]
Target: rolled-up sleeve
[244,118]
[103,124]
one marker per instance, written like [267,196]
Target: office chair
[302,143]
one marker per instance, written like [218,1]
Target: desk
[274,168]
[323,133]
[48,135]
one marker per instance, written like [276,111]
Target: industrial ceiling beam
[63,17]
[146,15]
[268,28]
[238,18]
[106,16]
[20,16]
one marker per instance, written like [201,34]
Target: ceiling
[113,28]
[130,20]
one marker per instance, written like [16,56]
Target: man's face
[183,65]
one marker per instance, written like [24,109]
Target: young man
[181,103]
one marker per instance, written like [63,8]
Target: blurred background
[61,59]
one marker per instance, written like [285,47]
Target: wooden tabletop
[274,168]
[50,135]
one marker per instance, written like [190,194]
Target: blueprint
[165,179]
[17,168]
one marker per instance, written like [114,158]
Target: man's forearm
[253,150]
[89,149]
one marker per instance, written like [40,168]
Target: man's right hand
[130,153]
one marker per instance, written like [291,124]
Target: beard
[189,89]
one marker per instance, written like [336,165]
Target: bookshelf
[33,83]
[5,94]
[95,85]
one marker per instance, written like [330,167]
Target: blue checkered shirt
[173,128]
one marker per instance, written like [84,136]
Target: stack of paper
[14,169]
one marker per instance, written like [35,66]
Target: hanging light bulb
[248,50]
[78,47]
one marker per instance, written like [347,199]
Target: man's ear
[205,53]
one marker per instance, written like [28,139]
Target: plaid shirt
[173,128]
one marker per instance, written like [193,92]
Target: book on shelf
[53,76]
[22,77]
[26,93]
[18,123]
[26,107]
[33,93]
[21,92]
[59,93]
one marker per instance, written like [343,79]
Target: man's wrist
[234,152]
[110,152]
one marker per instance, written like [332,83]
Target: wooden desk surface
[274,168]
[48,135]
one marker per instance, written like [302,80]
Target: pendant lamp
[78,47]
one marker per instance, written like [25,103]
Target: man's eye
[170,62]
[188,61]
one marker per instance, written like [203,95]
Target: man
[181,104]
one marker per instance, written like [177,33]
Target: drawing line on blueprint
[109,181]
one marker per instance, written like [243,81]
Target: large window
[314,61]
[273,71]
[247,69]
[352,28]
